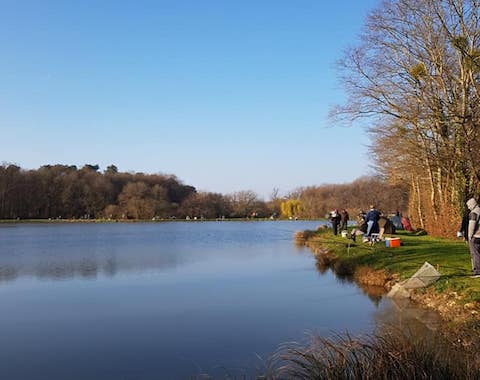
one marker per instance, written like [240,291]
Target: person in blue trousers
[372,217]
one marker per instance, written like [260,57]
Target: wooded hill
[62,191]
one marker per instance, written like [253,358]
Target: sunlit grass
[450,257]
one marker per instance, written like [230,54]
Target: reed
[389,354]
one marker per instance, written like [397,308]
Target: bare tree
[414,76]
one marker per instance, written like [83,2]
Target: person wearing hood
[474,235]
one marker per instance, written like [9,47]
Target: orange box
[392,242]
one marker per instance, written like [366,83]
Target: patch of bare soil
[449,305]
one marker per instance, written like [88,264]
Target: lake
[170,300]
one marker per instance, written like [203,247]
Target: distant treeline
[66,192]
[62,191]
[355,196]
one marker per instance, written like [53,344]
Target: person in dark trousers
[344,217]
[463,231]
[474,236]
[335,220]
[373,215]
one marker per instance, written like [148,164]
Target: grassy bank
[451,352]
[450,257]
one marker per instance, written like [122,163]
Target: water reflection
[166,300]
[8,273]
[65,251]
[405,315]
[58,268]
[374,293]
[401,313]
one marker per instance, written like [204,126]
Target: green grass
[450,352]
[450,257]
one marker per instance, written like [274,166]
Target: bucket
[392,242]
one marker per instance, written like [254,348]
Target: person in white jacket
[474,235]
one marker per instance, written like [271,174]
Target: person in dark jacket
[362,224]
[344,217]
[335,220]
[372,217]
[385,226]
[463,231]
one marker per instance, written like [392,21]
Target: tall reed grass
[391,354]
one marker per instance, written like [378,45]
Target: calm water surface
[163,300]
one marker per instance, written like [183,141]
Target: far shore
[153,220]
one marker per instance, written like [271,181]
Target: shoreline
[456,298]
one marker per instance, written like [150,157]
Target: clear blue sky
[227,95]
